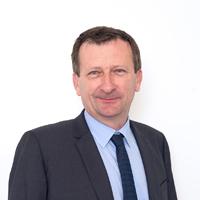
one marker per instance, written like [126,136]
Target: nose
[107,85]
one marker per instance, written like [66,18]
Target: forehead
[116,43]
[114,50]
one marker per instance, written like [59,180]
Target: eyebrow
[113,66]
[116,66]
[95,67]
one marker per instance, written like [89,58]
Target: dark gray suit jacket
[61,162]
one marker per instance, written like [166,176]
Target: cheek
[129,89]
[85,90]
[89,87]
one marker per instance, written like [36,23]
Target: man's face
[107,81]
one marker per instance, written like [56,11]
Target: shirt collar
[103,133]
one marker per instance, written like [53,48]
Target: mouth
[108,100]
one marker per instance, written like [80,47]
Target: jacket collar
[153,165]
[92,160]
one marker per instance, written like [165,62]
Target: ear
[76,83]
[138,80]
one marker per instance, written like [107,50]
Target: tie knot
[118,140]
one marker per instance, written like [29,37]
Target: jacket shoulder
[146,129]
[151,135]
[54,128]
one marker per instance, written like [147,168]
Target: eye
[94,73]
[120,71]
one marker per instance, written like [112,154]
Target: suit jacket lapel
[92,160]
[89,153]
[152,164]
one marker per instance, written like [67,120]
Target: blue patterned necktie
[128,185]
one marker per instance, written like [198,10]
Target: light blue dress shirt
[102,135]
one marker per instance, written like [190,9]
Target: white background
[36,39]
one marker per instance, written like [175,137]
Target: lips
[103,97]
[108,100]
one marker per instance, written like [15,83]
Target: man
[101,154]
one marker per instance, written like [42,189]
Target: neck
[113,122]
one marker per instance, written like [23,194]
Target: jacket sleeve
[28,175]
[171,187]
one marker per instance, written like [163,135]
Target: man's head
[100,35]
[106,74]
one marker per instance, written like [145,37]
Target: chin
[109,114]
